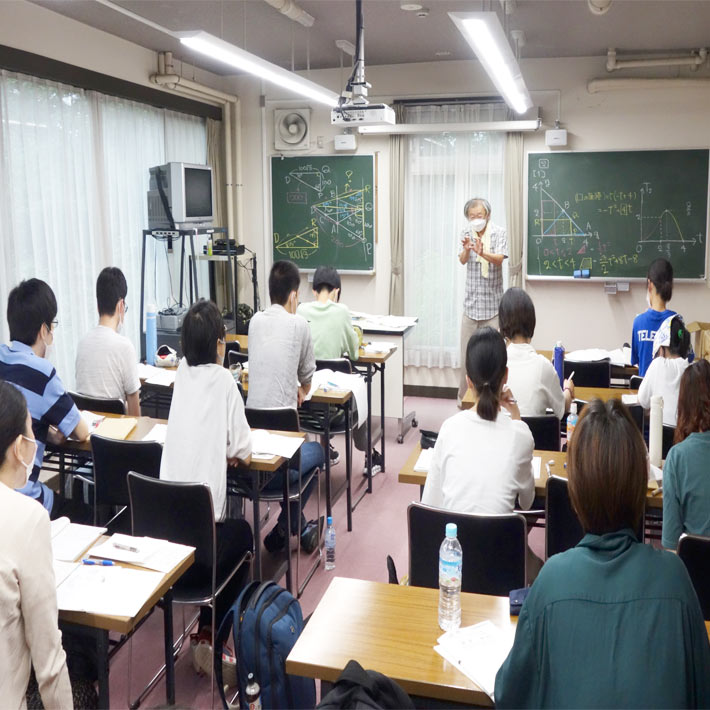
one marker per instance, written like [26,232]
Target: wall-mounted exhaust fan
[292,128]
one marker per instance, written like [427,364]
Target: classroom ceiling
[553,28]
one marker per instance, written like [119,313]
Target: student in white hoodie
[671,346]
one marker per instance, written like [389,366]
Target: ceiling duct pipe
[292,11]
[695,59]
[596,86]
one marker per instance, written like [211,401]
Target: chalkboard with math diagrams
[613,213]
[323,211]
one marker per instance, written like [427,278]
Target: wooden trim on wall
[435,392]
[17,60]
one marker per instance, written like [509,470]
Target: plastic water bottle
[571,422]
[450,563]
[330,545]
[558,360]
[151,334]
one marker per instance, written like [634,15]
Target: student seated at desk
[531,376]
[578,638]
[281,366]
[482,459]
[28,598]
[106,362]
[686,484]
[207,430]
[659,289]
[31,315]
[670,351]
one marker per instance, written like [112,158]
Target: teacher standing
[484,247]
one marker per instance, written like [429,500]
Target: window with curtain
[443,171]
[74,169]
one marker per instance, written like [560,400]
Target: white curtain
[74,170]
[444,170]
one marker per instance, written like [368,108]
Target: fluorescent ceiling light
[419,128]
[218,49]
[483,31]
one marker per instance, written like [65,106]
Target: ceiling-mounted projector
[363,114]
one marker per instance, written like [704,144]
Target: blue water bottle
[151,334]
[558,360]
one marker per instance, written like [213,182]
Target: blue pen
[101,563]
[332,384]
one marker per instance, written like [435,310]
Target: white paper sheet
[62,570]
[383,346]
[92,420]
[375,323]
[329,380]
[145,371]
[630,399]
[478,651]
[117,591]
[423,463]
[265,445]
[70,540]
[157,433]
[620,356]
[536,464]
[160,555]
[162,376]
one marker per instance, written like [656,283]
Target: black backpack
[364,690]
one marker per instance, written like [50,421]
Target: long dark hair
[693,400]
[13,417]
[486,360]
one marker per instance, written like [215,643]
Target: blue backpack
[266,621]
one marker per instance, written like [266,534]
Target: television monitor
[187,188]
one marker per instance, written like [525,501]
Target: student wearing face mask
[106,362]
[28,600]
[32,317]
[484,246]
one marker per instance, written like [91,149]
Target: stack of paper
[163,377]
[536,464]
[70,540]
[157,433]
[265,445]
[329,380]
[477,651]
[423,463]
[62,570]
[148,552]
[378,347]
[628,399]
[116,427]
[92,420]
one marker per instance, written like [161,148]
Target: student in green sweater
[611,623]
[331,325]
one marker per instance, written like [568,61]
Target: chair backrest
[636,411]
[234,357]
[98,404]
[179,512]
[694,550]
[113,459]
[562,527]
[668,435]
[589,374]
[340,364]
[494,549]
[281,418]
[545,431]
[635,382]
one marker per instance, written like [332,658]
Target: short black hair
[111,287]
[516,314]
[486,360]
[30,305]
[326,277]
[283,279]
[680,337]
[201,329]
[660,274]
[13,417]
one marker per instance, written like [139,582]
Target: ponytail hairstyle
[680,338]
[486,362]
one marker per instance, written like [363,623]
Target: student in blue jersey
[686,483]
[31,315]
[611,623]
[659,289]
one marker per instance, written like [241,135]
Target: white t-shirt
[534,382]
[206,426]
[663,377]
[480,466]
[106,365]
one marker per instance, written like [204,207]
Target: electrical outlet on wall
[319,141]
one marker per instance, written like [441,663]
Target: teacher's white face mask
[478,224]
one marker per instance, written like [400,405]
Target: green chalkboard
[614,212]
[323,211]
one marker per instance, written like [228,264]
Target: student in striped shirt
[31,315]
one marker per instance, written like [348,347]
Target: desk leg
[169,653]
[102,663]
[257,524]
[368,456]
[349,461]
[328,501]
[287,510]
[382,413]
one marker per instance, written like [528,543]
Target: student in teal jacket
[611,623]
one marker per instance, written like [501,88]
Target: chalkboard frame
[375,211]
[607,279]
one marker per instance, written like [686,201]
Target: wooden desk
[582,393]
[391,629]
[99,626]
[243,341]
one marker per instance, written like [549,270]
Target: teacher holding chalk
[484,246]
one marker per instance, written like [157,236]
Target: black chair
[182,513]
[280,419]
[97,404]
[668,436]
[589,374]
[494,549]
[636,411]
[635,382]
[234,357]
[545,431]
[113,459]
[694,550]
[563,529]
[228,349]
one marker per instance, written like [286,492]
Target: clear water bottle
[330,544]
[450,563]
[571,421]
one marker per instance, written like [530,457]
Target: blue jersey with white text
[645,326]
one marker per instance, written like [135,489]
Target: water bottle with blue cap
[450,566]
